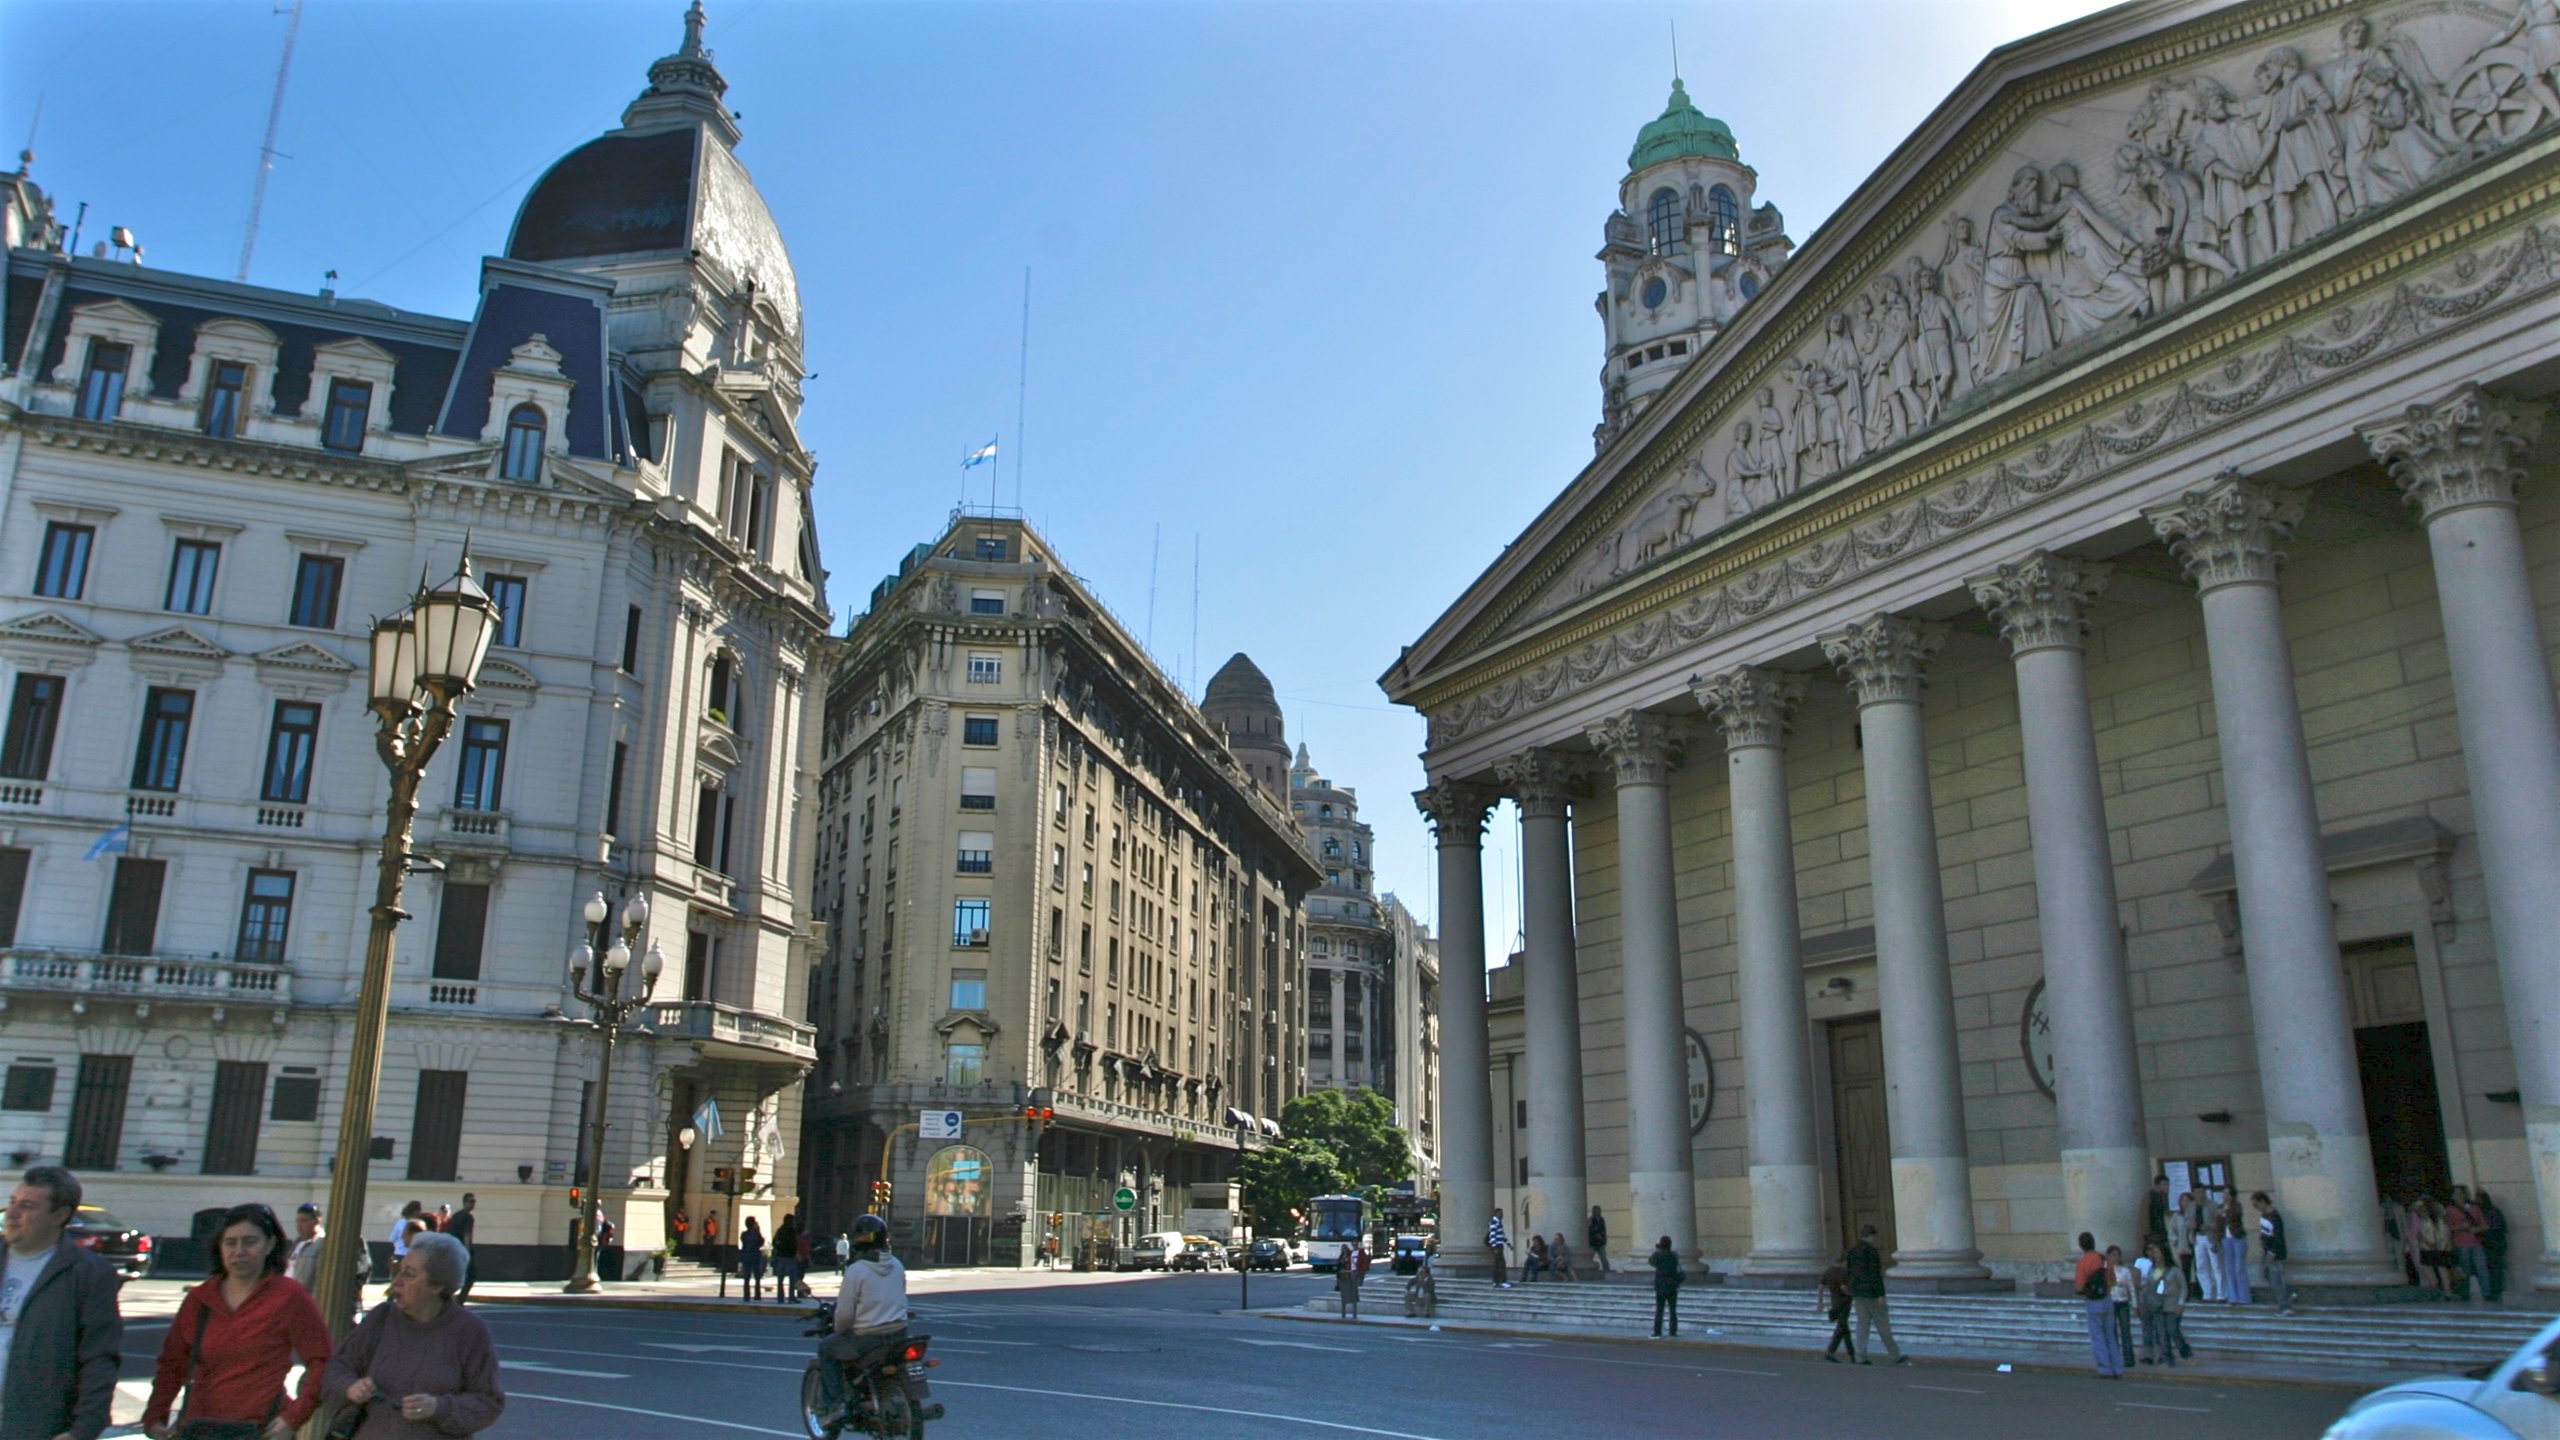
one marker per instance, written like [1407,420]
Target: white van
[1156,1252]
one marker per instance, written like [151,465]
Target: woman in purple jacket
[420,1364]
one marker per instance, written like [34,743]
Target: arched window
[723,693]
[1724,222]
[525,431]
[1663,222]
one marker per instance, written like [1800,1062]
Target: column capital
[1541,781]
[1639,748]
[1456,810]
[2042,601]
[2467,449]
[1885,658]
[1751,705]
[2229,532]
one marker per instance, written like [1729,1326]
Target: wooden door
[97,1112]
[231,1134]
[1861,1137]
[133,907]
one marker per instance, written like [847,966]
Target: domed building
[1241,703]
[229,480]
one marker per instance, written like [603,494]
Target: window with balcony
[102,383]
[226,392]
[316,582]
[35,712]
[292,740]
[133,907]
[964,1065]
[13,891]
[977,852]
[160,756]
[62,567]
[970,921]
[265,915]
[1051,1009]
[350,406]
[191,570]
[722,691]
[968,989]
[481,782]
[986,669]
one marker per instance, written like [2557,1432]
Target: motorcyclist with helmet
[871,1313]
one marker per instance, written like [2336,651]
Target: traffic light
[881,1190]
[573,1197]
[1039,1112]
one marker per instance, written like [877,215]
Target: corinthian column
[2041,604]
[1641,750]
[1753,708]
[2230,536]
[1457,811]
[1884,660]
[1540,782]
[2459,462]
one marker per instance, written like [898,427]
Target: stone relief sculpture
[2205,184]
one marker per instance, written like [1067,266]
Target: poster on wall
[2208,1176]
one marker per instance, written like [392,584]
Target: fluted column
[1641,750]
[2230,536]
[1456,811]
[2459,462]
[1753,708]
[1884,660]
[2041,604]
[1541,783]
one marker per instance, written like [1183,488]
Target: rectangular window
[291,743]
[97,1112]
[986,602]
[613,789]
[631,641]
[698,954]
[13,892]
[1112,953]
[226,389]
[482,782]
[350,406]
[968,1063]
[1051,1012]
[191,571]
[35,711]
[1057,933]
[462,927]
[316,582]
[977,852]
[29,1087]
[706,825]
[991,547]
[265,916]
[102,384]
[160,755]
[435,1127]
[978,730]
[507,591]
[62,570]
[986,669]
[1058,866]
[231,1132]
[1084,948]
[297,1094]
[977,787]
[969,923]
[968,989]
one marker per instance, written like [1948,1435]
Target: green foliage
[1359,1127]
[1280,1178]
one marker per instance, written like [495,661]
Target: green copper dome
[1681,130]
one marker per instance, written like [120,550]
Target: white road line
[538,1368]
[1303,1345]
[654,1414]
[513,1348]
[2139,1405]
[1945,1389]
[1177,1405]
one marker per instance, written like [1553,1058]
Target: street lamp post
[424,661]
[614,998]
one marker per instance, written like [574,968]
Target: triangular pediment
[2084,188]
[116,312]
[47,628]
[179,642]
[303,655]
[355,348]
[505,675]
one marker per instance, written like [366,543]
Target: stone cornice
[2041,602]
[2465,450]
[1885,658]
[1752,706]
[2231,532]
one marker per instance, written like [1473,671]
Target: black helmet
[870,1230]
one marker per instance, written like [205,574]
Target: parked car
[1297,1252]
[1157,1251]
[1199,1252]
[1268,1254]
[2519,1400]
[1409,1252]
[121,1245]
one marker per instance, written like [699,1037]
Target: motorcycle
[886,1395]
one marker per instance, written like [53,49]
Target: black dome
[615,195]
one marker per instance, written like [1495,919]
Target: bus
[1334,1221]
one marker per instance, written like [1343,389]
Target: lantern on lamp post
[617,991]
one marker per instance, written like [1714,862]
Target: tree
[1281,1178]
[1359,1127]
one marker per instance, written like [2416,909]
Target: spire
[685,88]
[692,49]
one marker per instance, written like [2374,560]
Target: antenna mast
[267,150]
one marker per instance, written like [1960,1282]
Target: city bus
[1334,1221]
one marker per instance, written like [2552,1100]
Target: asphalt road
[1153,1360]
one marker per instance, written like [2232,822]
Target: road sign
[1124,1199]
[938,1124]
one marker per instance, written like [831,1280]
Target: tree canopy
[1359,1128]
[1282,1177]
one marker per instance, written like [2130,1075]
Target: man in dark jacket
[1598,1235]
[1666,1285]
[1866,1292]
[63,1339]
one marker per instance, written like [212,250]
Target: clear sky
[1310,282]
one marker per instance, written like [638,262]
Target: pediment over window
[506,675]
[304,656]
[179,642]
[977,1022]
[48,628]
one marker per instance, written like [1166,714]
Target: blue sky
[1311,282]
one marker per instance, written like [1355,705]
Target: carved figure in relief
[1960,270]
[2017,314]
[2225,159]
[1750,480]
[1773,436]
[1817,454]
[1599,567]
[1664,522]
[2530,43]
[1842,400]
[2305,154]
[2387,105]
[2183,241]
[2095,280]
[1897,391]
[1937,342]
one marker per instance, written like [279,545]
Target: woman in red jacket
[234,1338]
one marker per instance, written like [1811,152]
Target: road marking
[539,1368]
[1177,1405]
[1944,1389]
[711,1349]
[2139,1405]
[1302,1345]
[514,1394]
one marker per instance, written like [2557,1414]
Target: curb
[679,1304]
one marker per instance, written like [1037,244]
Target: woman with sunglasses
[234,1338]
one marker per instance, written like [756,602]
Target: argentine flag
[114,842]
[984,455]
[706,1118]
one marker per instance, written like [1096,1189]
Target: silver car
[2519,1401]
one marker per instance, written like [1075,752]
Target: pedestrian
[2209,1249]
[2093,1280]
[2464,1220]
[2155,1211]
[1866,1293]
[786,1252]
[682,1224]
[1560,1257]
[234,1338]
[751,1256]
[1831,1296]
[2435,1249]
[421,1366]
[1348,1273]
[711,1240]
[442,1217]
[2184,1222]
[2171,1294]
[2120,1296]
[2493,1239]
[2150,1291]
[1536,1264]
[303,1261]
[58,1362]
[1667,1280]
[1495,1242]
[410,1222]
[844,1250]
[2235,1250]
[1597,1235]
[2271,1244]
[463,1226]
[801,1254]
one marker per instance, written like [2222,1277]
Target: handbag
[348,1422]
[213,1429]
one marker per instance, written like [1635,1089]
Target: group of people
[2456,1246]
[416,1219]
[791,1251]
[1854,1285]
[2195,1250]
[418,1365]
[1551,1256]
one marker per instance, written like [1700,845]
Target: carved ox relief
[2140,206]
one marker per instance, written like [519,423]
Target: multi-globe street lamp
[424,660]
[618,991]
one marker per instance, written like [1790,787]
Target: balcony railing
[712,1021]
[476,828]
[176,977]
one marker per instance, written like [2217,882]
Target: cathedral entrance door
[2402,1109]
[1862,1139]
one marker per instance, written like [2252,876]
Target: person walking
[302,1262]
[2235,1250]
[2493,1240]
[2170,1293]
[65,1339]
[711,1240]
[786,1254]
[1495,1242]
[2465,1222]
[1348,1273]
[801,1254]
[2435,1248]
[412,1221]
[1866,1294]
[2093,1280]
[1560,1257]
[1667,1280]
[2271,1244]
[751,1256]
[421,1366]
[2146,1297]
[463,1225]
[234,1338]
[1831,1296]
[681,1224]
[1596,1234]
[2120,1296]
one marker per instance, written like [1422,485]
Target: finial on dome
[692,47]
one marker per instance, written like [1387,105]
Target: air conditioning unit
[977,937]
